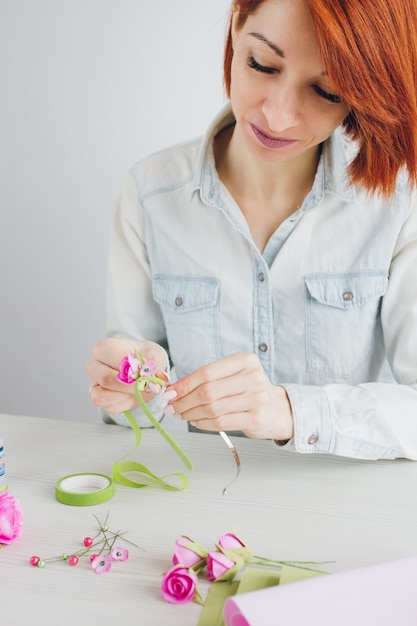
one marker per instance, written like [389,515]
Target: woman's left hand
[233,394]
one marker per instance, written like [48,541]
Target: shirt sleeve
[373,420]
[131,310]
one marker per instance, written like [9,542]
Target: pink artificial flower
[148,368]
[11,518]
[188,553]
[218,564]
[119,554]
[179,585]
[229,541]
[128,368]
[101,563]
[234,547]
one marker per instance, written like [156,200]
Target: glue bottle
[2,468]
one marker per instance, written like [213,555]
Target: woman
[276,259]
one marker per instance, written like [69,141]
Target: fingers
[105,390]
[111,351]
[217,372]
[218,390]
[233,394]
[228,377]
[112,401]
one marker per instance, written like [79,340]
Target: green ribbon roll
[84,489]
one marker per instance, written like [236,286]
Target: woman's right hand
[105,390]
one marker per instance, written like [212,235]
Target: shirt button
[179,301]
[263,347]
[261,276]
[347,296]
[312,439]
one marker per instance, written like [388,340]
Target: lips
[273,143]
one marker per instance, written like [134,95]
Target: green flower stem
[260,560]
[183,456]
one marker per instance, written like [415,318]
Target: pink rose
[179,585]
[232,546]
[128,367]
[219,565]
[229,541]
[188,553]
[11,518]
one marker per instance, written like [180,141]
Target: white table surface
[284,505]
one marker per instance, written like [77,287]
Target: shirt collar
[338,152]
[206,179]
[331,176]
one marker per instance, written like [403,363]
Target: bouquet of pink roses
[179,584]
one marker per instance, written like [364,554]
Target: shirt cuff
[313,425]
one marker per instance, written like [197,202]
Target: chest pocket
[190,309]
[342,320]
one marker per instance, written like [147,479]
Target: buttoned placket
[263,316]
[263,309]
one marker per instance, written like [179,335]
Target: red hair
[369,49]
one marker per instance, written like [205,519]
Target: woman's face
[281,96]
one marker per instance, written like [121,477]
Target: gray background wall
[87,88]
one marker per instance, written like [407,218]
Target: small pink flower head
[189,553]
[229,541]
[101,563]
[219,566]
[119,554]
[231,545]
[128,369]
[11,518]
[179,585]
[148,368]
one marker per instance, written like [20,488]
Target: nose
[282,107]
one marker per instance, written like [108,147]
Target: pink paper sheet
[378,595]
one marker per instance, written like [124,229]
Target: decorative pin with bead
[105,550]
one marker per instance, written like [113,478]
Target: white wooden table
[284,505]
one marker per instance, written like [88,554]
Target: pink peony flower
[188,553]
[179,585]
[229,541]
[101,563]
[119,554]
[218,565]
[11,518]
[128,368]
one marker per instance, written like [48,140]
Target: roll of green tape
[84,489]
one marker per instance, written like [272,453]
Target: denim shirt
[329,307]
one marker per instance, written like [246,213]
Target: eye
[332,97]
[253,63]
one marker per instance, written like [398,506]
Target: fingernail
[164,376]
[170,395]
[153,387]
[169,409]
